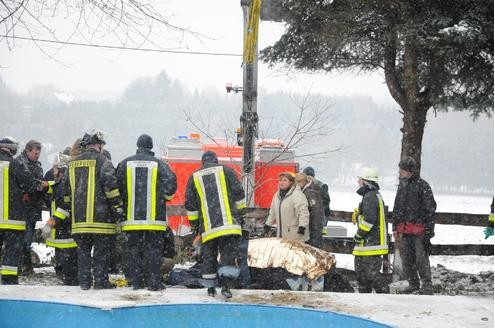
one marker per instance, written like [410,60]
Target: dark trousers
[86,243]
[68,263]
[228,247]
[26,261]
[368,274]
[145,250]
[416,260]
[13,241]
[244,275]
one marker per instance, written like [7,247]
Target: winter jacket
[214,199]
[61,234]
[371,236]
[15,180]
[289,214]
[325,197]
[312,192]
[91,195]
[145,184]
[414,203]
[33,200]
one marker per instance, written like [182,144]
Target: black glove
[119,214]
[301,230]
[358,240]
[429,234]
[195,230]
[427,244]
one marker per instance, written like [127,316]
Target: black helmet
[144,141]
[9,143]
[309,171]
[93,137]
[209,156]
[408,164]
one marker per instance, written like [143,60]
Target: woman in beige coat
[289,210]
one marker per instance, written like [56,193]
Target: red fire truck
[184,157]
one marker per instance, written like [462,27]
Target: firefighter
[370,240]
[15,181]
[413,226]
[145,183]
[33,201]
[214,203]
[92,196]
[325,198]
[57,231]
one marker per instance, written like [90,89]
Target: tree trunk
[414,108]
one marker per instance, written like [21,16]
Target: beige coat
[289,214]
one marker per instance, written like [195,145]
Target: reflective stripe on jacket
[145,183]
[91,194]
[214,197]
[15,180]
[372,227]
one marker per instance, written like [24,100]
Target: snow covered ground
[396,310]
[393,309]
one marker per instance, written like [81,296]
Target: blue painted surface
[20,314]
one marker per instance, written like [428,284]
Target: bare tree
[302,130]
[130,23]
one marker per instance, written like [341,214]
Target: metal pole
[249,117]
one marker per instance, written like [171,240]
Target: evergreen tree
[434,54]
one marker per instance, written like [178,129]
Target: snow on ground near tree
[396,310]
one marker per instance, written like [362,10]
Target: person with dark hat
[92,179]
[214,202]
[325,197]
[146,184]
[16,181]
[414,225]
[370,240]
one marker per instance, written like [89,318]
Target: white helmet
[369,173]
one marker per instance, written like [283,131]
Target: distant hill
[457,152]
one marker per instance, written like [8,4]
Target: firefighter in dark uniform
[214,202]
[15,181]
[145,184]
[57,231]
[92,199]
[33,200]
[413,225]
[370,241]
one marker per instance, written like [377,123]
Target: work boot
[409,290]
[426,290]
[226,292]
[212,291]
[10,280]
[155,288]
[105,285]
[85,286]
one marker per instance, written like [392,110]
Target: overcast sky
[100,74]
